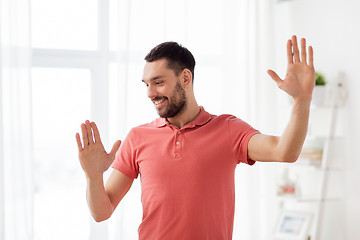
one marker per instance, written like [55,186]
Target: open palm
[299,81]
[92,155]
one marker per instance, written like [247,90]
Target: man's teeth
[158,102]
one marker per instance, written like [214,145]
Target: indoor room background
[63,62]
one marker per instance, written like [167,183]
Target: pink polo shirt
[187,175]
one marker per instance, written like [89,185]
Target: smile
[159,102]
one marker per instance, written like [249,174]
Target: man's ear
[187,77]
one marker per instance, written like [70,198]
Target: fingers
[89,132]
[295,49]
[289,51]
[114,149]
[311,56]
[77,136]
[294,54]
[303,50]
[275,77]
[84,135]
[96,132]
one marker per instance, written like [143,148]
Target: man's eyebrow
[153,78]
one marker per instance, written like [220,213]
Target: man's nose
[151,91]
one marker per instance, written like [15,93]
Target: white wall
[332,28]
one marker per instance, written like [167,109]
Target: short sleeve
[240,133]
[125,158]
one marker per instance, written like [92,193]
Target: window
[61,99]
[64,24]
[69,85]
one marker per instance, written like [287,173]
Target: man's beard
[175,106]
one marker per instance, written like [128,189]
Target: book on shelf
[311,156]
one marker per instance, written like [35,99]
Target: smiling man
[187,158]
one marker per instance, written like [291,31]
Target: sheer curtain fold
[231,41]
[2,172]
[16,141]
[254,189]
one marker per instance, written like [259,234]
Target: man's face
[164,88]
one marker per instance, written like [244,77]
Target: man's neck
[187,115]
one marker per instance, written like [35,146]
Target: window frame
[98,63]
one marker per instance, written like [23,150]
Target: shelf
[306,163]
[319,166]
[305,199]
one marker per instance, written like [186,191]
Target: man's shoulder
[228,120]
[141,132]
[225,117]
[156,124]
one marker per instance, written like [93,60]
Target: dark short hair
[177,56]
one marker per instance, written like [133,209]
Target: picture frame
[293,225]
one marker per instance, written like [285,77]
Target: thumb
[114,149]
[274,76]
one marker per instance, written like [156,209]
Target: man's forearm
[98,200]
[292,140]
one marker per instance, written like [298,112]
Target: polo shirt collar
[201,119]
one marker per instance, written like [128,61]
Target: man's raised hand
[299,81]
[92,155]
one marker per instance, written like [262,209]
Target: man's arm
[94,160]
[299,83]
[101,200]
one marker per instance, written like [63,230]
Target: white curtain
[232,43]
[16,155]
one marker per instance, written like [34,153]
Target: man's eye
[160,82]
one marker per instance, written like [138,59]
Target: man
[187,157]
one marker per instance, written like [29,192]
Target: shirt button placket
[177,145]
